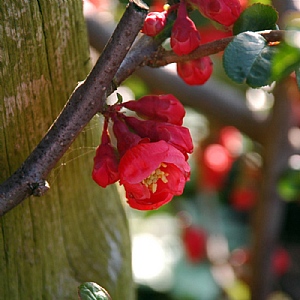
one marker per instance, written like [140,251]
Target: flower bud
[225,12]
[164,108]
[154,23]
[125,138]
[195,72]
[184,36]
[177,136]
[105,170]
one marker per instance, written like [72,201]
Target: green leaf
[257,17]
[289,185]
[260,1]
[120,98]
[248,59]
[92,291]
[285,61]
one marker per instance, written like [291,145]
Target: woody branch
[86,100]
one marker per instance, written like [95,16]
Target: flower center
[151,181]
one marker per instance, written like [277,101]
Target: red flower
[152,173]
[215,165]
[225,12]
[281,261]
[194,241]
[106,163]
[195,72]
[154,23]
[175,135]
[184,36]
[243,198]
[164,108]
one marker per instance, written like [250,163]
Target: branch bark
[87,99]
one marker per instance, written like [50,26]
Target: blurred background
[199,245]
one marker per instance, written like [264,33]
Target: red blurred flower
[184,36]
[215,165]
[177,136]
[225,12]
[166,108]
[105,170]
[243,198]
[210,33]
[152,173]
[244,4]
[194,241]
[154,23]
[195,72]
[281,261]
[156,5]
[232,139]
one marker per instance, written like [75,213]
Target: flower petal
[177,136]
[141,160]
[166,108]
[105,170]
[156,201]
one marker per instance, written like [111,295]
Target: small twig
[164,57]
[87,99]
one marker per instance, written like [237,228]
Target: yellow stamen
[151,181]
[166,7]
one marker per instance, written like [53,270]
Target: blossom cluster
[151,152]
[185,37]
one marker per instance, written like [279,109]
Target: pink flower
[225,12]
[184,36]
[164,108]
[177,136]
[195,72]
[105,170]
[154,23]
[152,173]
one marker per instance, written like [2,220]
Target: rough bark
[77,232]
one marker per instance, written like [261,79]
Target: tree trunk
[77,232]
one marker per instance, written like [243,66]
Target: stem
[87,99]
[166,57]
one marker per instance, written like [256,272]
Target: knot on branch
[39,188]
